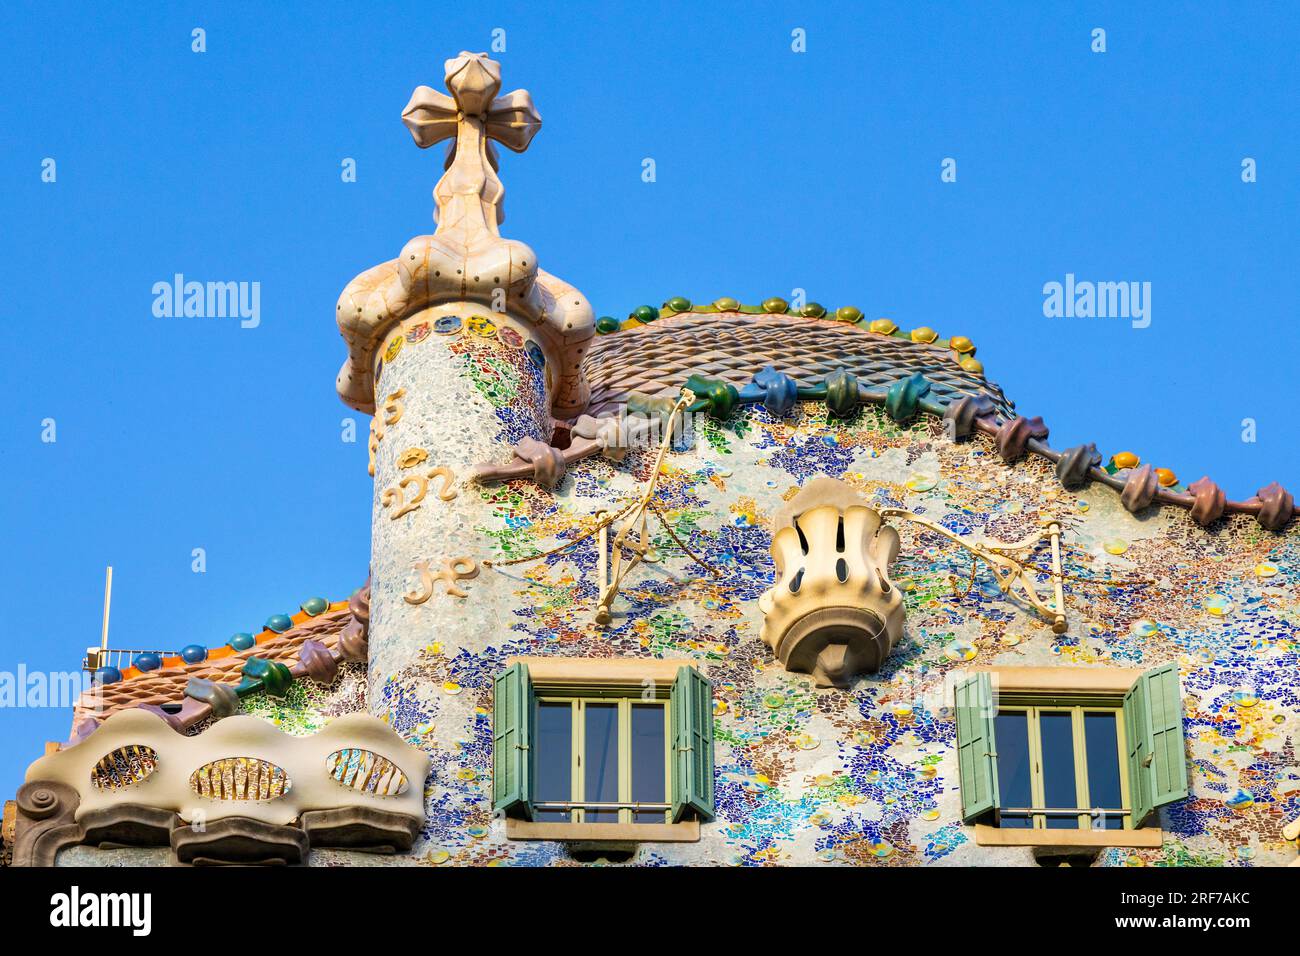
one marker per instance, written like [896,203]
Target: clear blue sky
[775,170]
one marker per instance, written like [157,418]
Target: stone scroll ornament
[452,570]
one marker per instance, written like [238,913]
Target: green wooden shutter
[512,737]
[1137,739]
[1153,725]
[691,703]
[976,747]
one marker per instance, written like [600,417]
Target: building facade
[716,584]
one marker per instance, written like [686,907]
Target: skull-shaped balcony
[833,612]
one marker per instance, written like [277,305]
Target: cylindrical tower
[456,386]
[462,350]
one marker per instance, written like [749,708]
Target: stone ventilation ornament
[833,612]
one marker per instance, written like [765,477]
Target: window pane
[554,766]
[1011,730]
[1101,736]
[600,769]
[648,745]
[1057,731]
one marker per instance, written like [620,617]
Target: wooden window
[601,760]
[602,746]
[1062,768]
[1076,752]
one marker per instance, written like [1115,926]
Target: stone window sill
[1144,838]
[688,831]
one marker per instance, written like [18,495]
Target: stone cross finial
[469,193]
[467,260]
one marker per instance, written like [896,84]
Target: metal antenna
[108,599]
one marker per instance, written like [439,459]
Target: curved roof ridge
[339,632]
[963,349]
[734,342]
[1014,435]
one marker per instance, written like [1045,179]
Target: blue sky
[775,170]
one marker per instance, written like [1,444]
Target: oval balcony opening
[240,778]
[123,767]
[366,772]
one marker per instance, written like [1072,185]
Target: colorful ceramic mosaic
[308,706]
[868,776]
[492,356]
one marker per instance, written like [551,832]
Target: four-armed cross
[469,193]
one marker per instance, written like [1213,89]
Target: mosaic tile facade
[867,775]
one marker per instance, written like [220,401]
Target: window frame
[578,699]
[1151,697]
[1034,706]
[671,681]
